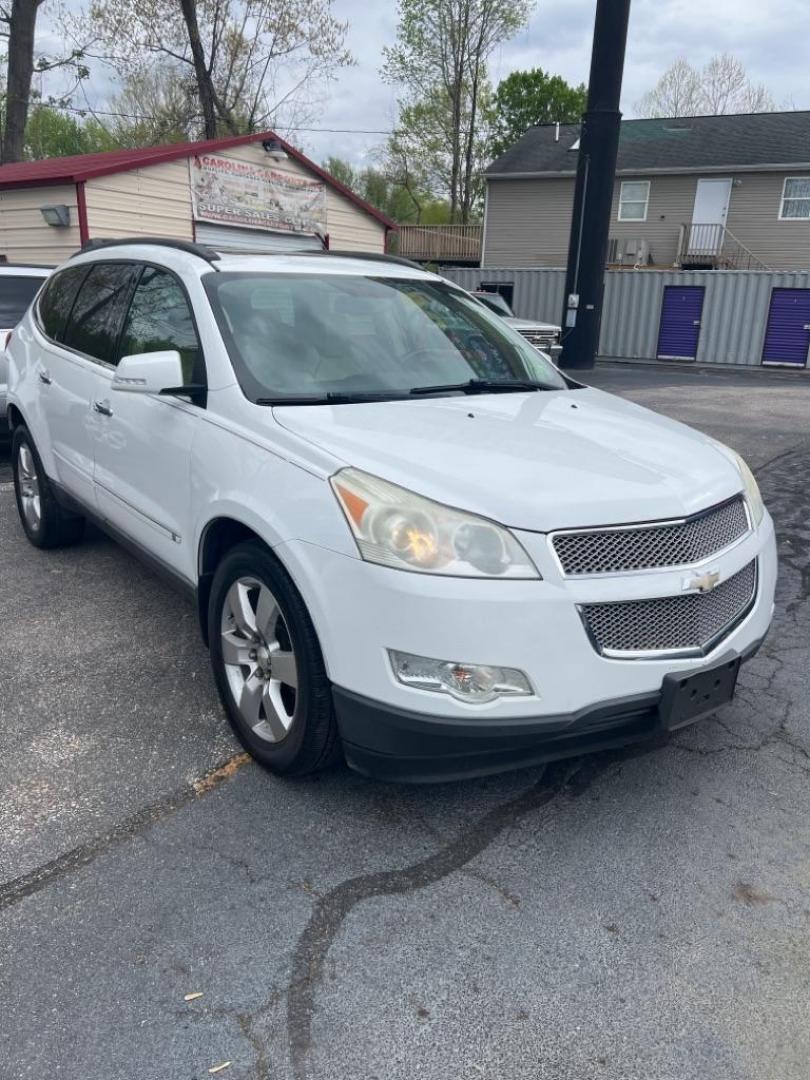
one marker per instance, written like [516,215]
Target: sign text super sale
[232,192]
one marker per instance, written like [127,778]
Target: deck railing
[439,243]
[714,246]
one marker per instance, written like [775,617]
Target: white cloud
[769,40]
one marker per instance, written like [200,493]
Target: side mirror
[149,373]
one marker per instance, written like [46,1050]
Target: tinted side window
[16,293]
[57,300]
[160,318]
[96,315]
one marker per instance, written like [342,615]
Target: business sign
[232,192]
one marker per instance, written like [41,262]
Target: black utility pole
[593,194]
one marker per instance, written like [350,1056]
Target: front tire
[268,665]
[45,522]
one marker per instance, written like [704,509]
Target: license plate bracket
[686,696]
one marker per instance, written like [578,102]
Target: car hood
[537,461]
[530,324]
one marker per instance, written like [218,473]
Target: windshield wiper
[333,398]
[483,386]
[347,397]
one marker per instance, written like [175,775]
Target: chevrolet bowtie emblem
[701,582]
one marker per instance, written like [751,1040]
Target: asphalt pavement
[643,914]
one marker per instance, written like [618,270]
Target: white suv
[409,536]
[18,287]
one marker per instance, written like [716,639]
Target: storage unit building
[251,192]
[741,318]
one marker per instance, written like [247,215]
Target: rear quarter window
[16,293]
[57,300]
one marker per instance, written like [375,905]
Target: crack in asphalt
[330,911]
[27,884]
[561,780]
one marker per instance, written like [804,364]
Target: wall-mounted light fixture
[58,216]
[274,149]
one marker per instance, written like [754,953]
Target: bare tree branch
[720,87]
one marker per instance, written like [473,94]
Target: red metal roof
[80,167]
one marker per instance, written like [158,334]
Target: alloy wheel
[259,659]
[28,481]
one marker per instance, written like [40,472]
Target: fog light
[465,682]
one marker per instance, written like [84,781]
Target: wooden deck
[439,243]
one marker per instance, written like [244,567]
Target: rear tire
[268,665]
[45,522]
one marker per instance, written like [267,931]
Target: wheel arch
[15,417]
[217,538]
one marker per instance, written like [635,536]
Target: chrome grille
[690,622]
[541,339]
[611,551]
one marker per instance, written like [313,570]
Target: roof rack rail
[370,256]
[201,250]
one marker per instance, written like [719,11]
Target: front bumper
[393,744]
[582,700]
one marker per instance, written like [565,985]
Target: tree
[247,60]
[388,194]
[18,24]
[50,133]
[526,98]
[440,62]
[720,87]
[157,104]
[344,172]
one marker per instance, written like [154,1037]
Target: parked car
[408,535]
[544,336]
[18,287]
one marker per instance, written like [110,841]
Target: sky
[772,41]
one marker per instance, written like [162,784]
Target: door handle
[696,322]
[103,407]
[45,377]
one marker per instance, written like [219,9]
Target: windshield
[496,302]
[308,335]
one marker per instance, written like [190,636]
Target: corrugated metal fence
[735,308]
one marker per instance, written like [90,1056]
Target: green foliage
[439,60]
[51,133]
[156,104]
[525,98]
[388,195]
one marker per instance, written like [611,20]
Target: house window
[795,199]
[633,200]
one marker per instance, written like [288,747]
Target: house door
[787,336]
[680,322]
[709,217]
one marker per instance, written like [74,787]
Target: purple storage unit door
[787,337]
[680,322]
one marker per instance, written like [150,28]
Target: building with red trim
[245,193]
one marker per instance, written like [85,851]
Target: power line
[88,110]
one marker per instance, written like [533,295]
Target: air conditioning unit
[628,252]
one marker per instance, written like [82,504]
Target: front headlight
[752,494]
[394,527]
